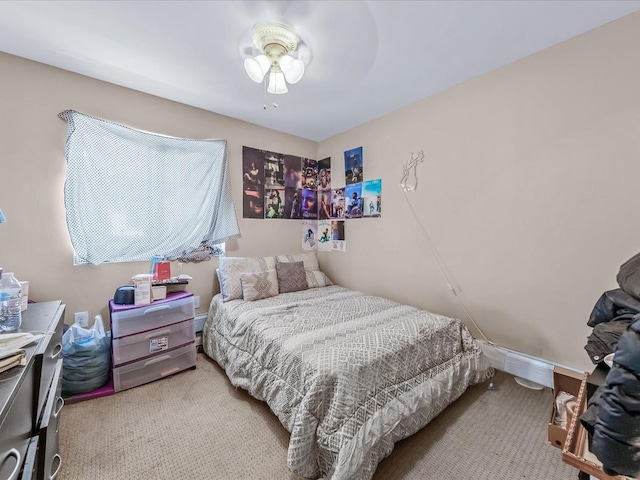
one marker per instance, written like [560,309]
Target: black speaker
[124,295]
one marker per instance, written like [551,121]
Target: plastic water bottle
[10,295]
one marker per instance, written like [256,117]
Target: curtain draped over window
[131,194]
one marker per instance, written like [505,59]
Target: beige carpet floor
[196,425]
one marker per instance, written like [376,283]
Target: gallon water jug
[10,295]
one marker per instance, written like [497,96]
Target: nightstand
[152,341]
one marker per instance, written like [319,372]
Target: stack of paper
[11,348]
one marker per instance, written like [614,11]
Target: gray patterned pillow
[291,277]
[259,285]
[315,278]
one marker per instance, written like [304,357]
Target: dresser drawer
[29,469]
[49,462]
[152,342]
[149,317]
[48,360]
[17,427]
[154,368]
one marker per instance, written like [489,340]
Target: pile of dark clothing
[613,414]
[611,316]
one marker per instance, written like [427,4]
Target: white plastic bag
[86,358]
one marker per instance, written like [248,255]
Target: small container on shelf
[576,446]
[564,380]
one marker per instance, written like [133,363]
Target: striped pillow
[316,279]
[310,260]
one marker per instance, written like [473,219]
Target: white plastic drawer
[136,347]
[154,368]
[148,317]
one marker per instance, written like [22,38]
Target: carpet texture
[197,425]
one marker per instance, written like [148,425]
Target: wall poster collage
[277,185]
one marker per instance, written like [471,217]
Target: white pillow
[231,268]
[259,285]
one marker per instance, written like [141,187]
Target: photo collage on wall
[362,198]
[253,188]
[277,185]
[323,235]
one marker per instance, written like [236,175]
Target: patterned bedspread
[347,374]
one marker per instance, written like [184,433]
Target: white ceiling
[368,58]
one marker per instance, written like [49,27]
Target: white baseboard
[534,369]
[199,321]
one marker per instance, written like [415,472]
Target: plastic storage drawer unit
[153,368]
[153,341]
[137,347]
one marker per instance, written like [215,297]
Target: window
[131,194]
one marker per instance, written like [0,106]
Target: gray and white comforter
[347,374]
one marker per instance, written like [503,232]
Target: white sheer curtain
[131,194]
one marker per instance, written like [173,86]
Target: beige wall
[34,242]
[528,193]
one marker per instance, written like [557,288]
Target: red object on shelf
[161,270]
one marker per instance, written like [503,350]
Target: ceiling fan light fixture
[257,67]
[276,42]
[277,85]
[292,68]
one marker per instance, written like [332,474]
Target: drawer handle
[59,401]
[59,458]
[158,359]
[14,453]
[157,309]
[56,351]
[157,334]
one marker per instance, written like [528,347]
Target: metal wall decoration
[409,179]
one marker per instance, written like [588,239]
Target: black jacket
[614,311]
[616,434]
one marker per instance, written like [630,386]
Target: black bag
[629,276]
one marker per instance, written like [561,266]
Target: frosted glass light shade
[292,68]
[257,67]
[277,85]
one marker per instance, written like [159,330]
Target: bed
[347,374]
